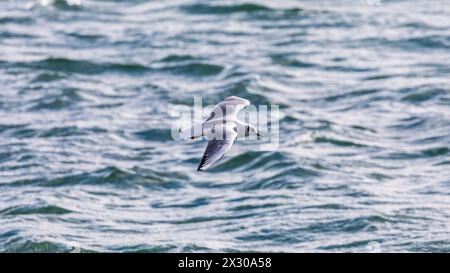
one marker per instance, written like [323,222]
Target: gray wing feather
[230,106]
[215,151]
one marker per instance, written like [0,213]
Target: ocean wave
[222,9]
[66,65]
[23,210]
[114,177]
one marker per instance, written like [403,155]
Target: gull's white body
[221,128]
[200,129]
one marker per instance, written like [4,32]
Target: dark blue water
[87,161]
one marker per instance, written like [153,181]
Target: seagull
[221,128]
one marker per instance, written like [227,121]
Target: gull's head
[251,130]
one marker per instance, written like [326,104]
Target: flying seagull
[221,128]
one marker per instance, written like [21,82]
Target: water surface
[87,161]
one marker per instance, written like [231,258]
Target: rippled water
[87,160]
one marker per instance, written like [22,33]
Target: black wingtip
[200,166]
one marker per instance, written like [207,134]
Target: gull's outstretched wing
[216,149]
[227,108]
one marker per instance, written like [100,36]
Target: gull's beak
[259,136]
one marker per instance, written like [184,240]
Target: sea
[89,92]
